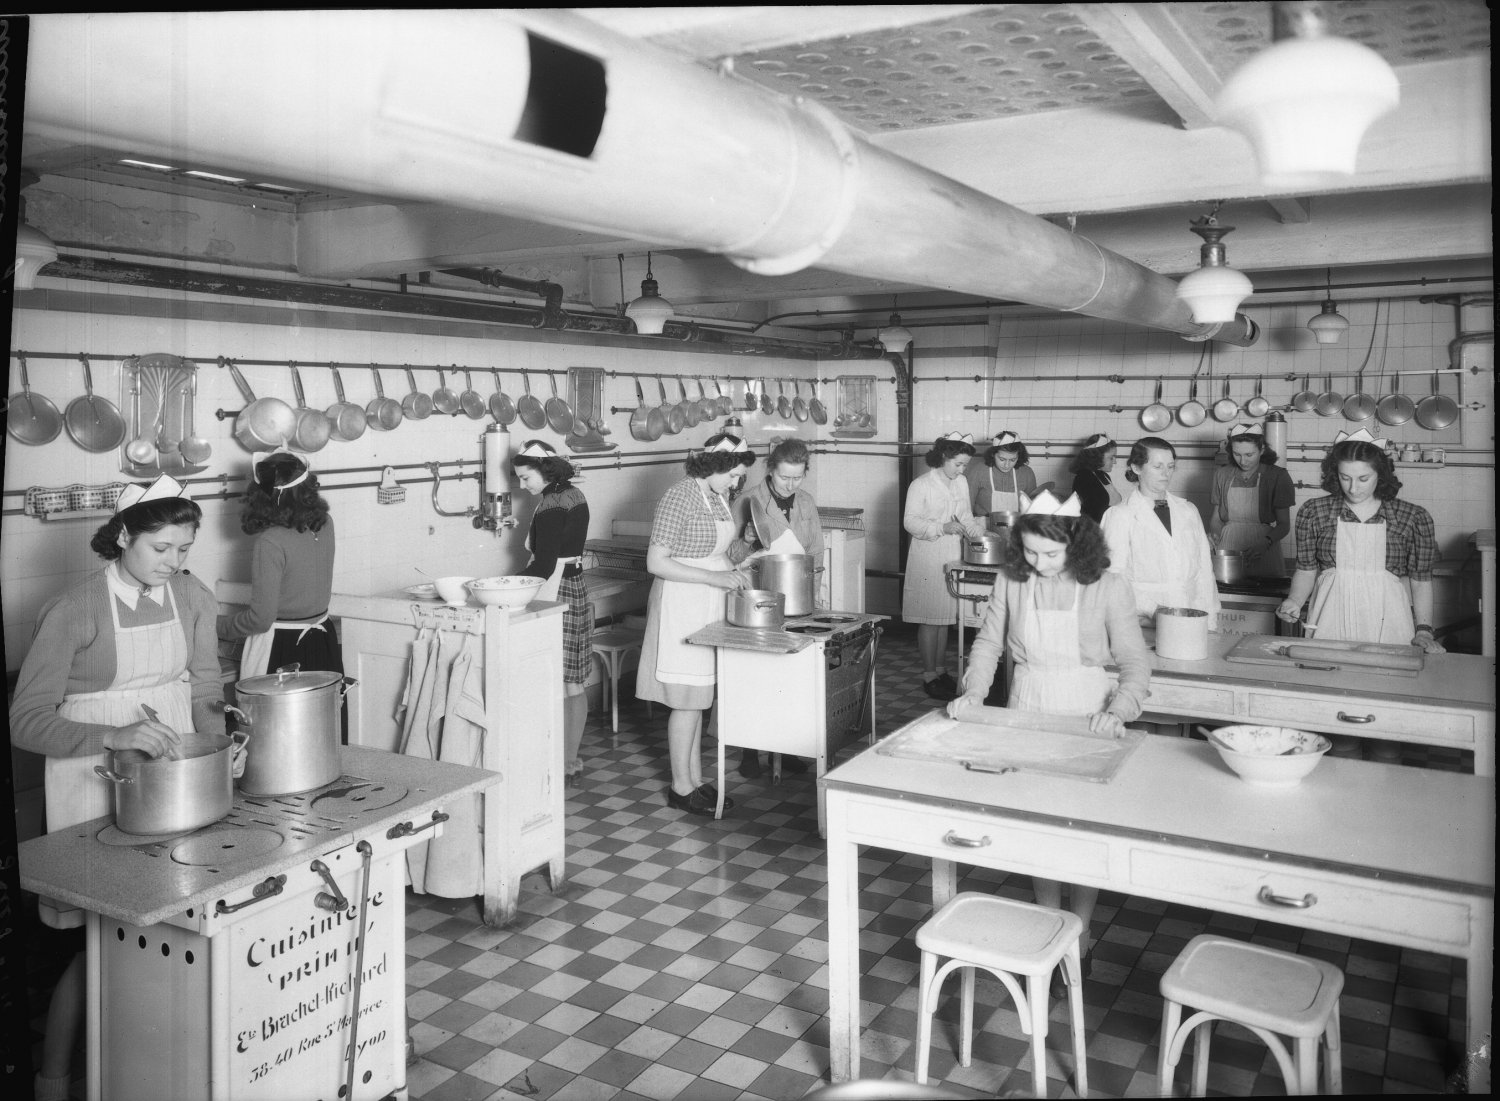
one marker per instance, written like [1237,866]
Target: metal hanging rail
[1285,376]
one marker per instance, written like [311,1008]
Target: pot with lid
[292,719]
[162,795]
[756,608]
[986,549]
[789,574]
[1229,566]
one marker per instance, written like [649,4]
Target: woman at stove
[1091,481]
[1251,501]
[1156,539]
[137,634]
[692,555]
[1003,480]
[780,517]
[937,517]
[1063,618]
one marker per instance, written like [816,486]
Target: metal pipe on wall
[545,115]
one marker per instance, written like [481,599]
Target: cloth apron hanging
[686,607]
[256,658]
[1243,531]
[151,668]
[1360,600]
[1053,678]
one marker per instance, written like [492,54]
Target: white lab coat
[1169,571]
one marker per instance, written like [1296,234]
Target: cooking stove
[834,624]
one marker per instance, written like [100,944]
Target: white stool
[1267,991]
[610,647]
[1008,939]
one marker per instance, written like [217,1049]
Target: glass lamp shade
[1330,325]
[894,338]
[650,311]
[1214,294]
[34,250]
[1305,104]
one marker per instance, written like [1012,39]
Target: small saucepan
[469,401]
[1304,399]
[382,413]
[646,423]
[1359,406]
[1190,414]
[1257,406]
[1436,411]
[1156,416]
[559,414]
[313,430]
[1330,402]
[1226,408]
[346,420]
[418,404]
[756,608]
[444,400]
[1395,408]
[529,408]
[501,407]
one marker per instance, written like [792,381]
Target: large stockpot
[160,795]
[987,549]
[293,724]
[755,608]
[790,574]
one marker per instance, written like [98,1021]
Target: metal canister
[292,719]
[789,574]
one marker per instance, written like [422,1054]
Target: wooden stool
[1267,991]
[610,647]
[1008,939]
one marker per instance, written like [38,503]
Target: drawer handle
[951,838]
[1355,718]
[1271,898]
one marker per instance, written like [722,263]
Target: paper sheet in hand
[1004,740]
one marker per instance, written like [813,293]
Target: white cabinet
[842,587]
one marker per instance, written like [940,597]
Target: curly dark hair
[142,519]
[271,503]
[554,469]
[1387,485]
[943,450]
[1091,457]
[1267,454]
[1140,454]
[1018,449]
[1088,553]
[702,464]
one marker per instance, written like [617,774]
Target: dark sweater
[559,528]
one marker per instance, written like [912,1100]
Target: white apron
[686,607]
[1109,488]
[1244,531]
[151,667]
[1360,599]
[1053,678]
[256,658]
[1003,501]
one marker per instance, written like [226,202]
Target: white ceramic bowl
[453,590]
[1272,756]
[513,591]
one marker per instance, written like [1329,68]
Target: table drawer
[1183,699]
[975,839]
[1382,911]
[1366,717]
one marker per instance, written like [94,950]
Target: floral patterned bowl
[1272,756]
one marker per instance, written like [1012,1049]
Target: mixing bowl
[513,591]
[453,590]
[1272,756]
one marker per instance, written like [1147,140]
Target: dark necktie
[1163,513]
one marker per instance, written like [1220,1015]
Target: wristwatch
[1423,627]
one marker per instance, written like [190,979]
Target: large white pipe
[543,115]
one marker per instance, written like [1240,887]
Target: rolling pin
[1355,657]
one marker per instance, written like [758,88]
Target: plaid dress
[578,630]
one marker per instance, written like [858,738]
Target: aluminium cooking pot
[1229,565]
[756,608]
[293,723]
[382,413]
[986,549]
[789,574]
[160,795]
[312,428]
[347,420]
[264,424]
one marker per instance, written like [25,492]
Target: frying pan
[501,407]
[93,422]
[1359,406]
[313,429]
[671,414]
[688,409]
[346,420]
[529,408]
[783,404]
[559,414]
[382,413]
[751,404]
[264,423]
[1226,408]
[416,405]
[1395,408]
[725,403]
[1330,401]
[1156,416]
[799,407]
[815,408]
[470,401]
[444,400]
[1436,411]
[1257,406]
[1304,399]
[767,406]
[646,423]
[1190,414]
[31,418]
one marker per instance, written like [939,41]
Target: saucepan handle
[112,777]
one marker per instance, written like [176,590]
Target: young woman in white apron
[692,555]
[559,529]
[137,634]
[1245,491]
[1062,617]
[1004,481]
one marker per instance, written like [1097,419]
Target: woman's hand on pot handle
[154,739]
[1106,724]
[973,528]
[960,704]
[731,579]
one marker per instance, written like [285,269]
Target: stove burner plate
[225,846]
[809,629]
[114,835]
[350,797]
[834,618]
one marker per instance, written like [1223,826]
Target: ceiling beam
[1290,210]
[1149,39]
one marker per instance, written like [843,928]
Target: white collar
[128,592]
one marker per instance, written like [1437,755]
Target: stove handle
[406,829]
[268,888]
[333,902]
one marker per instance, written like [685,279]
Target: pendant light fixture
[34,251]
[895,336]
[1306,102]
[650,311]
[1330,325]
[1213,292]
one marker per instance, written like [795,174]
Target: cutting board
[764,640]
[1261,650]
[999,739]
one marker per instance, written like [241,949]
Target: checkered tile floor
[684,960]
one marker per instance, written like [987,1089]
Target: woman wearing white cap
[692,554]
[999,484]
[138,633]
[1091,481]
[1250,504]
[559,528]
[1063,618]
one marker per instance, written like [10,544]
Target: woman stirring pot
[1003,481]
[138,633]
[1251,501]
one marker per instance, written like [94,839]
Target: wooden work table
[1401,856]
